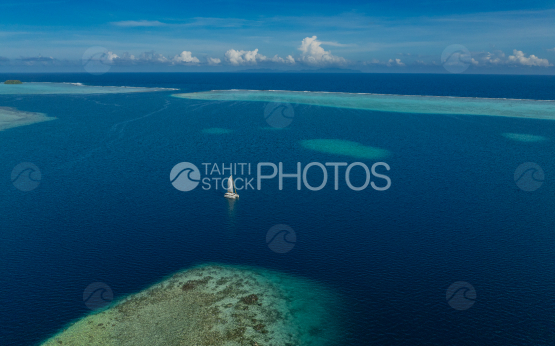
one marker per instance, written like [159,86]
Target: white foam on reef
[33,88]
[536,109]
[348,93]
[11,117]
[215,305]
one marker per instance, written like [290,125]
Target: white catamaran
[230,189]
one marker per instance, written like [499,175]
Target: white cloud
[395,62]
[151,57]
[252,57]
[276,58]
[126,56]
[213,61]
[138,23]
[243,57]
[519,58]
[496,58]
[313,54]
[185,57]
[110,57]
[389,63]
[551,50]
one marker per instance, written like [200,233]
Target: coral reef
[213,305]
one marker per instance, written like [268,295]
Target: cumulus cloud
[395,62]
[313,54]
[103,57]
[243,57]
[109,57]
[213,61]
[495,58]
[499,58]
[288,59]
[185,57]
[126,56]
[388,63]
[520,58]
[152,57]
[138,23]
[252,57]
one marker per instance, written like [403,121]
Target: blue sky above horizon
[373,36]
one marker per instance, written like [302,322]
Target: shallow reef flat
[524,137]
[215,305]
[541,109]
[346,148]
[68,88]
[11,117]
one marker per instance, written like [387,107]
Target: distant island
[13,81]
[331,70]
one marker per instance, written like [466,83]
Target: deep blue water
[106,211]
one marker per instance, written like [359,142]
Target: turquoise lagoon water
[538,109]
[45,88]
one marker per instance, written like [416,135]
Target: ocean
[470,204]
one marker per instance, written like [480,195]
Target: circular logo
[529,176]
[279,115]
[185,176]
[97,295]
[281,238]
[97,60]
[26,176]
[461,295]
[456,58]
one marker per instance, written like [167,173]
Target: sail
[230,184]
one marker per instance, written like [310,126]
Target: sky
[397,36]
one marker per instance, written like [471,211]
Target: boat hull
[231,195]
